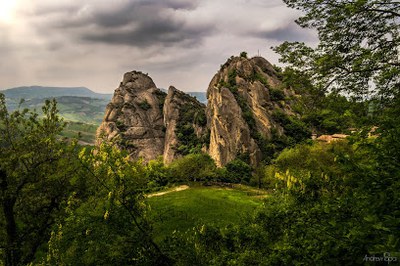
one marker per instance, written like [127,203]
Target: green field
[182,210]
[87,132]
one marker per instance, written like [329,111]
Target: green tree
[359,46]
[238,171]
[192,167]
[109,226]
[35,179]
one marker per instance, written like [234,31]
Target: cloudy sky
[92,43]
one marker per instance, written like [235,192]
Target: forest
[307,203]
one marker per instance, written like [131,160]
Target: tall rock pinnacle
[242,97]
[133,119]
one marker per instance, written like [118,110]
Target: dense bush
[335,205]
[276,94]
[193,167]
[238,171]
[191,114]
[294,128]
[157,174]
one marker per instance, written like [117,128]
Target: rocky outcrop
[133,119]
[248,109]
[185,123]
[242,100]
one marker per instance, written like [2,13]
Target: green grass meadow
[182,210]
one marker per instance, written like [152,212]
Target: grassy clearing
[182,210]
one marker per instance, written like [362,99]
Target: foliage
[238,171]
[326,113]
[37,172]
[156,173]
[276,94]
[335,206]
[243,54]
[144,105]
[258,76]
[358,46]
[295,130]
[114,207]
[191,113]
[192,167]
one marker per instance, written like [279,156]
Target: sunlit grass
[182,210]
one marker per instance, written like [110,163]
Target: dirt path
[180,188]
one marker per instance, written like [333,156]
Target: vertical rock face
[248,109]
[230,135]
[242,98]
[186,125]
[133,119]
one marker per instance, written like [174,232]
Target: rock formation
[248,108]
[133,119]
[242,99]
[185,123]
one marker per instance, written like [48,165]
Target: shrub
[295,129]
[276,94]
[238,171]
[193,167]
[156,173]
[145,105]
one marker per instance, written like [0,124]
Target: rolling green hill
[82,108]
[39,92]
[72,108]
[182,210]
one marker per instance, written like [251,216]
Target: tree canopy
[32,184]
[358,50]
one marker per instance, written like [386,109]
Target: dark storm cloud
[134,23]
[179,42]
[136,11]
[161,33]
[289,32]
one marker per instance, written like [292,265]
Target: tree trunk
[12,254]
[11,251]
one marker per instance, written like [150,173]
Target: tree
[108,226]
[32,185]
[358,52]
[238,171]
[192,167]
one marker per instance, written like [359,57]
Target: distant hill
[200,96]
[39,92]
[72,108]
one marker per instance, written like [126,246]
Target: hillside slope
[39,92]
